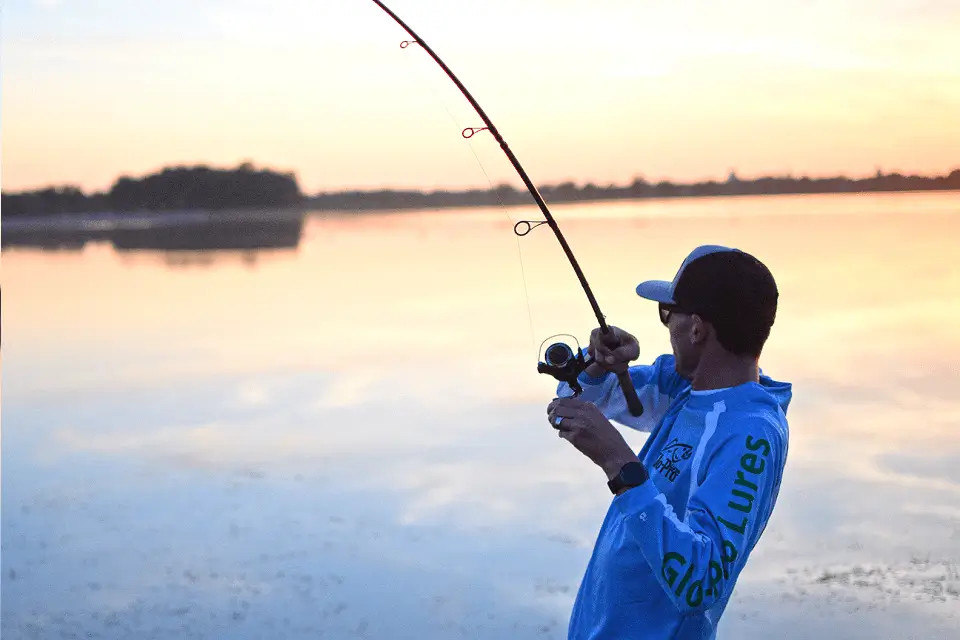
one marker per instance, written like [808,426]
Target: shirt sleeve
[697,559]
[657,384]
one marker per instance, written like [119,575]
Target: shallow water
[349,439]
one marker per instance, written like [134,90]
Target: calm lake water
[349,439]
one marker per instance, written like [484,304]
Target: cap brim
[656,290]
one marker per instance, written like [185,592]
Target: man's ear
[699,329]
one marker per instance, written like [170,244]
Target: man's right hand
[613,351]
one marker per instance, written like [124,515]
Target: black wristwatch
[632,474]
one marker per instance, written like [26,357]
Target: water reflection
[182,232]
[350,440]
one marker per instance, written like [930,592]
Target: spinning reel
[561,362]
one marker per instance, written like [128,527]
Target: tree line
[639,188]
[203,187]
[173,188]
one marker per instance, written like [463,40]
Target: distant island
[201,187]
[172,189]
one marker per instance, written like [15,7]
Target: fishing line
[526,290]
[467,133]
[560,365]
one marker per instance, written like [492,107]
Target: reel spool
[563,363]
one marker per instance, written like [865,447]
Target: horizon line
[732,173]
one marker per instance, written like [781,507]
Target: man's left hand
[587,429]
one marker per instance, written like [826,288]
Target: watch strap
[632,474]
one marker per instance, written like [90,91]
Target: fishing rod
[560,360]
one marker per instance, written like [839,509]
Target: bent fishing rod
[560,360]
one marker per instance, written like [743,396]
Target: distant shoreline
[254,228]
[176,190]
[171,217]
[550,201]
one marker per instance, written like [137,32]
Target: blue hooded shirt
[669,552]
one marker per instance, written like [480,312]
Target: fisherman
[691,505]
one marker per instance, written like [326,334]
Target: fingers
[627,351]
[566,411]
[601,352]
[604,356]
[566,434]
[566,404]
[558,412]
[566,424]
[569,428]
[572,417]
[567,415]
[617,348]
[612,338]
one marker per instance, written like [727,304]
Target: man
[690,507]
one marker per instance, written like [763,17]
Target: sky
[601,91]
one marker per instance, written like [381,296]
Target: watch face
[633,473]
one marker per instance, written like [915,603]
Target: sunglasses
[666,310]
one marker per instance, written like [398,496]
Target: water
[349,439]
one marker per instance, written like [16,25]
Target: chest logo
[669,456]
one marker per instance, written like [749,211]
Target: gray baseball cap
[723,285]
[663,291]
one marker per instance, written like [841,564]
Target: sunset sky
[599,91]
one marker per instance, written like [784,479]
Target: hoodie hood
[774,394]
[780,392]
